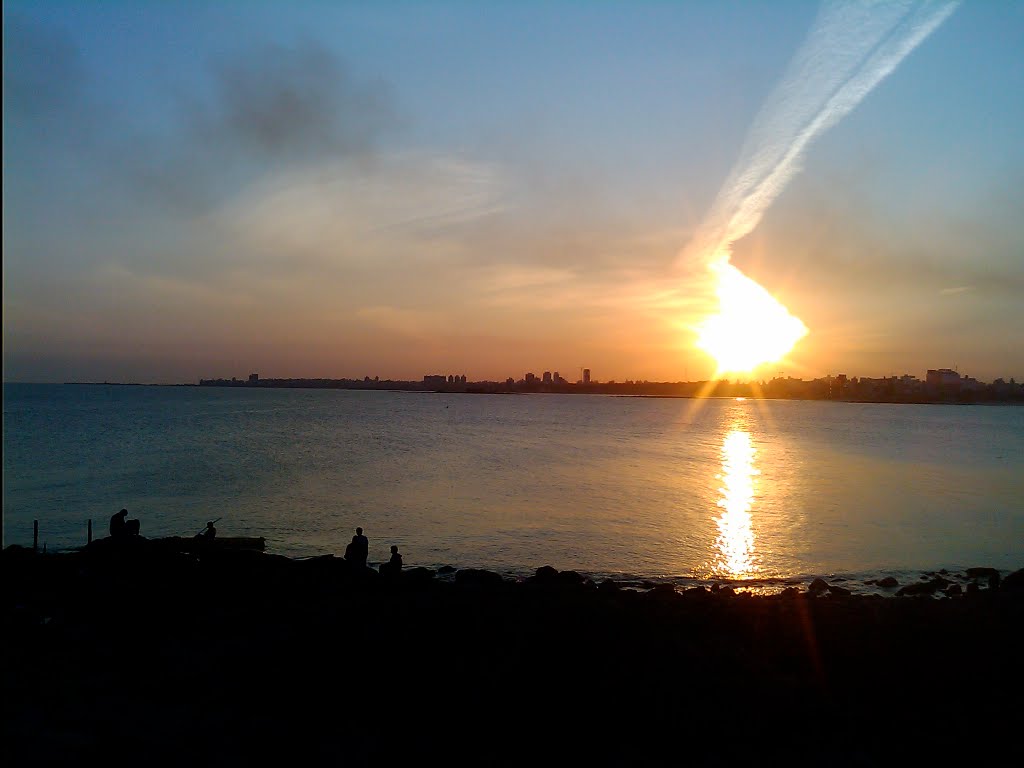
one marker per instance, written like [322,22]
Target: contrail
[851,47]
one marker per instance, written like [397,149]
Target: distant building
[942,377]
[530,378]
[462,379]
[435,380]
[586,375]
[253,378]
[547,377]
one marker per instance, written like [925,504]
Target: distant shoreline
[737,391]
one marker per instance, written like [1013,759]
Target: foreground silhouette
[358,550]
[259,659]
[118,528]
[121,527]
[392,568]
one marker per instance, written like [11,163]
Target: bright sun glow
[751,328]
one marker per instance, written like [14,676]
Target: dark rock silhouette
[982,573]
[242,651]
[417,576]
[545,573]
[478,578]
[929,587]
[1014,582]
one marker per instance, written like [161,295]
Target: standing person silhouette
[360,548]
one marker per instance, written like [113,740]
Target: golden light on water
[751,328]
[735,540]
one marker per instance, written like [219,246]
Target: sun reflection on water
[735,540]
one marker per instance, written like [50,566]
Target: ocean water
[760,492]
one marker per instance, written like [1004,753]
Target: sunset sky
[395,189]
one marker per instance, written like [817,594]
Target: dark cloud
[273,106]
[255,112]
[295,102]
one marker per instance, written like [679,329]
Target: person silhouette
[393,567]
[210,531]
[118,527]
[358,550]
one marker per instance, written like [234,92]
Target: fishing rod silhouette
[212,522]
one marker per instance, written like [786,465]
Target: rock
[953,590]
[545,574]
[972,589]
[548,575]
[817,586]
[982,573]
[838,591]
[695,592]
[1014,582]
[927,588]
[663,590]
[478,577]
[569,577]
[608,586]
[446,569]
[789,593]
[417,575]
[888,581]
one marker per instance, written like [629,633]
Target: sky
[393,189]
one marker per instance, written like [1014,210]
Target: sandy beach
[142,654]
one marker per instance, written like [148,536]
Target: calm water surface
[657,488]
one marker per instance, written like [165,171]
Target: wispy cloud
[406,206]
[956,290]
[850,49]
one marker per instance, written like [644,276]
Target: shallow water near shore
[756,492]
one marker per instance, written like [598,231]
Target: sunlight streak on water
[735,541]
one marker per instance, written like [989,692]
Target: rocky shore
[141,654]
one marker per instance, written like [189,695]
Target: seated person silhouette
[131,527]
[118,527]
[393,567]
[210,533]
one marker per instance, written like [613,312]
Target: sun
[751,328]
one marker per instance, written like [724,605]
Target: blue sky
[393,189]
